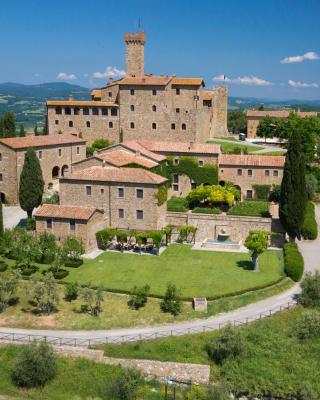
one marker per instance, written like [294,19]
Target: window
[56,122]
[139,214]
[249,194]
[76,111]
[177,91]
[40,155]
[132,125]
[249,172]
[86,111]
[0,156]
[132,92]
[201,163]
[70,124]
[173,126]
[110,124]
[110,94]
[139,193]
[132,107]
[58,110]
[154,108]
[95,111]
[1,178]
[88,124]
[177,110]
[67,111]
[175,178]
[175,187]
[78,150]
[154,125]
[88,190]
[267,172]
[154,92]
[102,191]
[239,172]
[49,223]
[59,152]
[72,225]
[120,192]
[183,127]
[104,111]
[275,172]
[114,112]
[121,213]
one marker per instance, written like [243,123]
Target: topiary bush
[310,295]
[58,274]
[28,270]
[310,227]
[73,263]
[293,261]
[35,366]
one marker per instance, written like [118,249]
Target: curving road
[251,312]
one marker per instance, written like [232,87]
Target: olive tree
[257,243]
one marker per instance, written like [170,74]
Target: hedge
[177,204]
[73,263]
[251,208]
[204,210]
[310,227]
[262,191]
[293,261]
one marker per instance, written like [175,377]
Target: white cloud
[66,77]
[243,80]
[310,55]
[297,84]
[110,72]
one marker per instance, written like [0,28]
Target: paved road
[310,251]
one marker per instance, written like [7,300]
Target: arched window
[154,125]
[154,108]
[183,127]
[64,170]
[55,172]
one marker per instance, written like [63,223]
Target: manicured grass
[230,147]
[195,273]
[77,379]
[203,210]
[177,204]
[276,363]
[252,208]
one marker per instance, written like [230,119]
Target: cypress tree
[36,130]
[1,219]
[31,183]
[293,198]
[22,131]
[9,125]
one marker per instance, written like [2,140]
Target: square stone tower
[135,53]
[219,111]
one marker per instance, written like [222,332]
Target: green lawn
[276,363]
[252,208]
[195,273]
[230,147]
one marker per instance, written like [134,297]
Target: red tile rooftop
[252,160]
[138,147]
[120,158]
[180,147]
[113,174]
[40,141]
[187,81]
[81,103]
[65,212]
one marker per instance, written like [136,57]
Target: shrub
[251,208]
[47,247]
[28,270]
[105,236]
[171,302]
[177,204]
[310,295]
[31,224]
[275,193]
[53,199]
[71,291]
[204,210]
[262,191]
[73,248]
[311,185]
[212,392]
[293,261]
[35,366]
[310,227]
[228,344]
[308,325]
[73,263]
[139,297]
[125,386]
[60,274]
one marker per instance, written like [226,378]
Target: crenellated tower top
[135,53]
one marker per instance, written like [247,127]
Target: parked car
[242,136]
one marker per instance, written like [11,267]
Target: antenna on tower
[139,24]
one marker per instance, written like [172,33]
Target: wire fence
[161,333]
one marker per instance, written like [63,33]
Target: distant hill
[27,101]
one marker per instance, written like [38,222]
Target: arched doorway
[239,190]
[3,198]
[64,170]
[55,172]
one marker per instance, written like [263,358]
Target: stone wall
[252,126]
[219,111]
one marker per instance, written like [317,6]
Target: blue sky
[245,40]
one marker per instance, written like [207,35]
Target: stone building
[255,116]
[246,171]
[55,153]
[160,108]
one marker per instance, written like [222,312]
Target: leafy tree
[139,297]
[93,300]
[171,302]
[1,219]
[8,285]
[293,198]
[310,295]
[46,293]
[71,291]
[275,194]
[8,125]
[237,121]
[211,195]
[25,248]
[58,259]
[73,248]
[257,243]
[261,107]
[311,185]
[22,131]
[98,144]
[125,386]
[47,247]
[36,132]
[267,127]
[35,366]
[31,183]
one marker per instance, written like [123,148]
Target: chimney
[70,98]
[110,80]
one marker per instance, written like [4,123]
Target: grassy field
[195,273]
[77,379]
[276,363]
[252,208]
[229,147]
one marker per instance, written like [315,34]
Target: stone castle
[144,106]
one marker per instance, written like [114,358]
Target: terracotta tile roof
[80,103]
[138,147]
[96,93]
[207,95]
[40,141]
[187,81]
[120,158]
[279,113]
[65,212]
[252,160]
[145,80]
[112,174]
[180,147]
